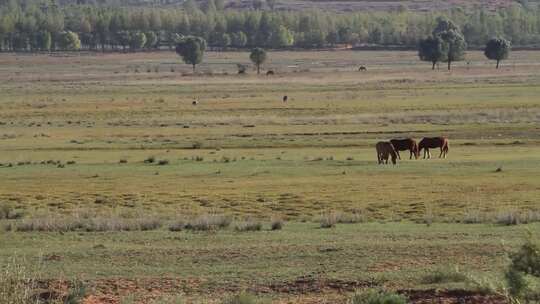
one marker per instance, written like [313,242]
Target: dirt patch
[309,285]
[451,297]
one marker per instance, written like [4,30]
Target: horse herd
[390,149]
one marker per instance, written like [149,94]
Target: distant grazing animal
[270,73]
[195,102]
[285,98]
[384,151]
[404,145]
[362,69]
[432,143]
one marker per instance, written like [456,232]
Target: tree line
[44,25]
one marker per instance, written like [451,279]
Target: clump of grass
[328,220]
[97,224]
[163,162]
[473,217]
[196,145]
[351,218]
[209,222]
[242,298]
[250,225]
[197,158]
[123,161]
[444,275]
[150,160]
[377,297]
[508,218]
[177,225]
[276,224]
[7,212]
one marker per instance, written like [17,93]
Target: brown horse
[404,145]
[384,151]
[432,143]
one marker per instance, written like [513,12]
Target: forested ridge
[35,25]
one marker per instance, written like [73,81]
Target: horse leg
[411,153]
[442,151]
[399,156]
[428,154]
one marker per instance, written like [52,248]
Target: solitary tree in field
[432,49]
[258,57]
[497,49]
[191,49]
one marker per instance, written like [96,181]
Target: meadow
[118,135]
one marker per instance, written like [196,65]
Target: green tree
[271,4]
[258,57]
[69,41]
[137,40]
[455,46]
[497,49]
[432,49]
[43,41]
[151,40]
[239,39]
[191,49]
[282,37]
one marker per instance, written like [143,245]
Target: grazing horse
[285,98]
[362,69]
[432,143]
[404,145]
[384,151]
[270,73]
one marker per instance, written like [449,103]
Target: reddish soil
[305,290]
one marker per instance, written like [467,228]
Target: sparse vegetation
[377,297]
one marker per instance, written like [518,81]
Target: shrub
[7,212]
[177,225]
[377,297]
[350,218]
[329,220]
[150,160]
[209,222]
[163,162]
[444,275]
[123,161]
[250,225]
[508,219]
[276,224]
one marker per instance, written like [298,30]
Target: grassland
[75,131]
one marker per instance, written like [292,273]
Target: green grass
[243,152]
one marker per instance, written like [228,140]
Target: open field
[75,132]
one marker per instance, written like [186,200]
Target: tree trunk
[258,69]
[194,69]
[498,63]
[449,64]
[433,67]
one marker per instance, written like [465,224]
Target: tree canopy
[258,57]
[497,49]
[191,49]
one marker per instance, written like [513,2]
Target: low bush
[444,275]
[377,297]
[328,220]
[250,225]
[209,222]
[276,224]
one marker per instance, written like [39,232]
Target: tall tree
[497,49]
[258,57]
[432,49]
[455,46]
[191,49]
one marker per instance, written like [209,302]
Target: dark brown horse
[404,145]
[432,143]
[385,150]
